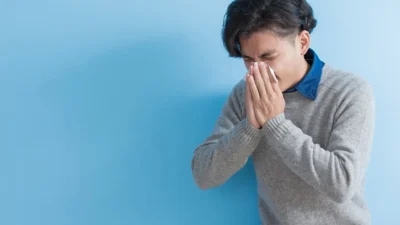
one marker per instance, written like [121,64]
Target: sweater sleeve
[338,170]
[227,149]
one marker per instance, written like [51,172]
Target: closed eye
[247,59]
[269,58]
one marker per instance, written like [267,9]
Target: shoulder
[345,85]
[239,89]
[236,98]
[346,91]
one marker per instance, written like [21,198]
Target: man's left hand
[268,100]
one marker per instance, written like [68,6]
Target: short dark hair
[283,17]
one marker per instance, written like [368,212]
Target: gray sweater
[310,161]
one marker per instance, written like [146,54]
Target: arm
[338,170]
[228,147]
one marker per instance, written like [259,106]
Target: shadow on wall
[132,123]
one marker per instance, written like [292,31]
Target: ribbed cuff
[247,135]
[276,127]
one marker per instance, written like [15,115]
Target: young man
[307,126]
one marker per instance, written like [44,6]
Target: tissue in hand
[273,73]
[270,69]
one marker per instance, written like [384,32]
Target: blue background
[103,103]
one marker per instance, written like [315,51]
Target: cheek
[280,67]
[276,67]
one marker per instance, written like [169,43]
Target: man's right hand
[251,118]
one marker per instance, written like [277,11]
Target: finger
[267,79]
[247,94]
[259,80]
[253,88]
[249,100]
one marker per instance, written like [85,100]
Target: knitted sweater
[310,161]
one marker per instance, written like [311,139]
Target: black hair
[283,17]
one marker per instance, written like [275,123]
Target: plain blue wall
[103,103]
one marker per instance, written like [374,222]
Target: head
[276,32]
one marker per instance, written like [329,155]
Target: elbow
[203,185]
[202,179]
[345,185]
[342,196]
[343,193]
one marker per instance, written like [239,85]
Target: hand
[267,98]
[251,118]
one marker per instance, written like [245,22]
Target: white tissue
[273,73]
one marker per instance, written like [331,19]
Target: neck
[302,70]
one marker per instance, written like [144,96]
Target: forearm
[223,154]
[336,172]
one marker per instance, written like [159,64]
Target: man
[307,126]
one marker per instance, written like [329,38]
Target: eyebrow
[263,55]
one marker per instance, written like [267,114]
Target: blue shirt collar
[308,86]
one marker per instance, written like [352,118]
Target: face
[285,55]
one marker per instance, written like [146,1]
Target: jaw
[282,84]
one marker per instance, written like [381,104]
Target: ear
[304,40]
